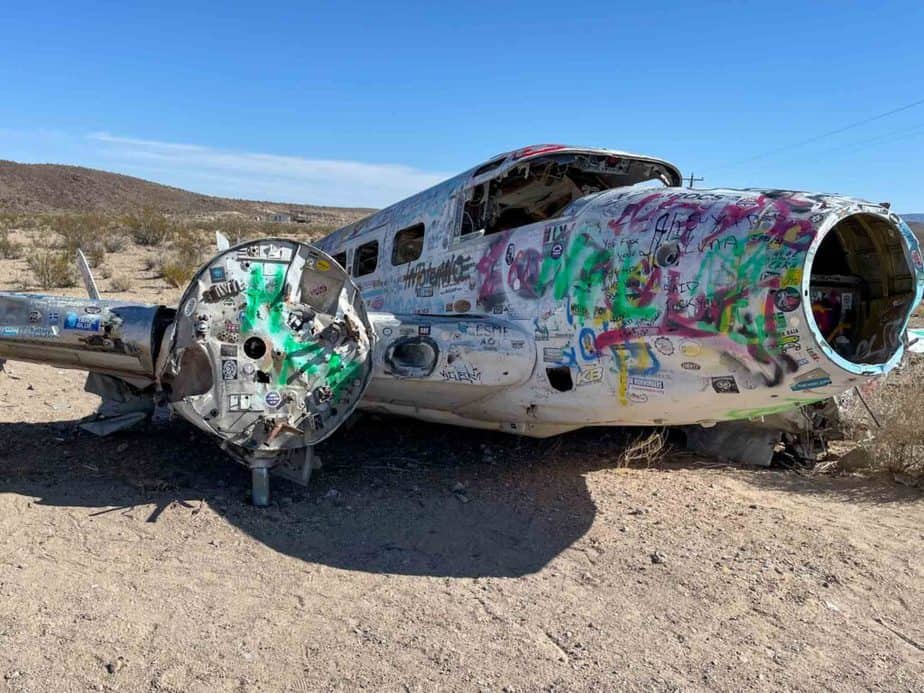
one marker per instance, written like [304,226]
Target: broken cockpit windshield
[542,188]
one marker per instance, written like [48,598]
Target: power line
[891,136]
[830,133]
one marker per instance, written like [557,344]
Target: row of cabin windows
[407,247]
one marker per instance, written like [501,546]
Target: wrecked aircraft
[548,289]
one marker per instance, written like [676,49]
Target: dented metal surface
[548,289]
[111,337]
[643,306]
[271,348]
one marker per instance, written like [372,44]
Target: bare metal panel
[103,336]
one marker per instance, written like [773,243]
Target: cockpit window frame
[496,203]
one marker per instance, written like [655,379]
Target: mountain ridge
[42,188]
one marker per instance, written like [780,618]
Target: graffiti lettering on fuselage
[461,372]
[710,269]
[453,270]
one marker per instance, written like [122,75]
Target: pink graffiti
[611,338]
[491,292]
[523,275]
[731,215]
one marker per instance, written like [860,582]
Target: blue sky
[363,103]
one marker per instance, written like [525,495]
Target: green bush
[182,260]
[9,249]
[80,230]
[115,242]
[52,268]
[121,283]
[149,227]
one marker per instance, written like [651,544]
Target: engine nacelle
[270,351]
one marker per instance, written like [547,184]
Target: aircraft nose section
[863,278]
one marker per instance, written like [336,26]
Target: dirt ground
[432,558]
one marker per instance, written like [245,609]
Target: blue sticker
[217,274]
[87,323]
[811,384]
[273,399]
[9,331]
[557,251]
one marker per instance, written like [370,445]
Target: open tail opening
[861,288]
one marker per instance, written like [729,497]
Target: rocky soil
[432,558]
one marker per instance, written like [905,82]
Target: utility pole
[694,180]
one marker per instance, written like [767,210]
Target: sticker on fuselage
[229,369]
[85,323]
[725,384]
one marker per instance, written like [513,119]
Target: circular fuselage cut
[861,287]
[272,348]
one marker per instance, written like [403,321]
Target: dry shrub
[52,268]
[86,232]
[95,253]
[34,222]
[9,249]
[896,445]
[115,243]
[644,449]
[315,232]
[79,230]
[182,260]
[237,228]
[149,227]
[121,283]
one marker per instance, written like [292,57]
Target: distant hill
[913,217]
[54,187]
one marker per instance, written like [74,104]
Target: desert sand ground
[431,558]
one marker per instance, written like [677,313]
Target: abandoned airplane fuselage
[550,288]
[554,288]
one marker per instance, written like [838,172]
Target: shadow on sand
[395,495]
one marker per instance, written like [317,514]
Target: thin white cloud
[263,176]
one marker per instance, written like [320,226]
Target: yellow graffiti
[635,357]
[623,381]
[793,277]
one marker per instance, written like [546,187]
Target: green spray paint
[265,313]
[786,405]
[580,274]
[259,295]
[730,275]
[623,306]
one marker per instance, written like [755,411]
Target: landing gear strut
[260,486]
[298,472]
